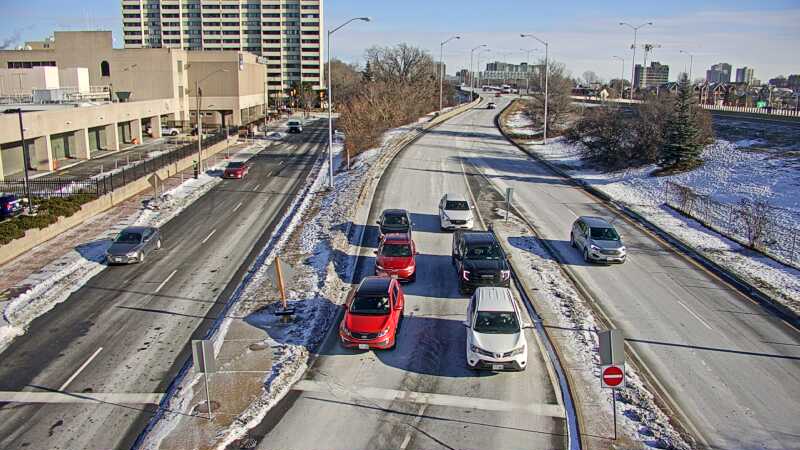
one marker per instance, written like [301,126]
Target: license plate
[497,367]
[487,276]
[363,347]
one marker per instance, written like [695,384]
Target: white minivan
[495,331]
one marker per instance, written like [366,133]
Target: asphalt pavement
[127,330]
[728,364]
[341,403]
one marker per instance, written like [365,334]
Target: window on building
[105,69]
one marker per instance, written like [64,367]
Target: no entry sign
[612,376]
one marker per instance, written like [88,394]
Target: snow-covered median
[55,282]
[729,173]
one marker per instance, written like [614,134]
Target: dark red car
[396,256]
[236,170]
[373,312]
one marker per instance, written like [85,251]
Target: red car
[236,170]
[372,314]
[396,256]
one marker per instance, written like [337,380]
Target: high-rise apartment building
[744,75]
[719,73]
[286,33]
[654,75]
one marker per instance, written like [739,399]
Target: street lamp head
[365,19]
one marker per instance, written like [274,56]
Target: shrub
[10,230]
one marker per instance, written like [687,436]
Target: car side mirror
[465,323]
[375,252]
[378,222]
[508,257]
[527,325]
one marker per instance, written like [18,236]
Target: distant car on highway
[395,221]
[372,315]
[10,205]
[397,256]
[479,260]
[491,105]
[133,244]
[295,126]
[455,212]
[495,331]
[598,240]
[236,169]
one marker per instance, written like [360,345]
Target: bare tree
[346,81]
[590,77]
[401,63]
[559,106]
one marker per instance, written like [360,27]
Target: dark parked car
[479,260]
[395,221]
[133,244]
[9,205]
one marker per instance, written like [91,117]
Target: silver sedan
[133,244]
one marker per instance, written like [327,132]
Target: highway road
[341,403]
[730,365]
[127,330]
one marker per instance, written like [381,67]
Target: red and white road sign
[612,376]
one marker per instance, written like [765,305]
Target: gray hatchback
[598,240]
[133,244]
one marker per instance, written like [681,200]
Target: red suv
[236,170]
[396,256]
[372,314]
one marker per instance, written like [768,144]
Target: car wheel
[141,256]
[586,255]
[413,277]
[572,240]
[158,244]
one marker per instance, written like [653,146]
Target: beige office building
[287,33]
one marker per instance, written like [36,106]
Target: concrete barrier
[35,236]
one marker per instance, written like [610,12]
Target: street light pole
[527,69]
[478,66]
[199,97]
[691,62]
[633,47]
[25,159]
[330,102]
[472,70]
[621,75]
[441,70]
[546,80]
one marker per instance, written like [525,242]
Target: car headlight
[594,248]
[623,249]
[132,254]
[465,275]
[505,274]
[384,332]
[446,217]
[345,330]
[480,351]
[518,351]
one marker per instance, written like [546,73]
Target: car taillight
[465,275]
[505,274]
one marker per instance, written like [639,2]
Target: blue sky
[583,34]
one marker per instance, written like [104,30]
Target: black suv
[395,221]
[479,260]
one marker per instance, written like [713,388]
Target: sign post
[612,366]
[509,194]
[204,362]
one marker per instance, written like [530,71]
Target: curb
[723,273]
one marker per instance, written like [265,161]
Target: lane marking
[209,236]
[406,441]
[238,205]
[257,186]
[413,426]
[166,280]
[69,397]
[80,369]
[356,393]
[695,315]
[270,173]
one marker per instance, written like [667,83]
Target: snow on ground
[56,281]
[522,124]
[730,172]
[640,419]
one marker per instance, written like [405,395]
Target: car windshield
[128,237]
[294,124]
[454,205]
[370,305]
[496,322]
[235,165]
[395,220]
[605,234]
[396,250]
[484,252]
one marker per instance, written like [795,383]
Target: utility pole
[633,47]
[25,162]
[621,76]
[441,70]
[546,80]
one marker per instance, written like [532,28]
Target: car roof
[594,221]
[374,285]
[137,229]
[479,237]
[452,196]
[394,212]
[494,299]
[397,238]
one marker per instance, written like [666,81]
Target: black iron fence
[752,223]
[105,183]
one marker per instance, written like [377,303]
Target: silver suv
[597,239]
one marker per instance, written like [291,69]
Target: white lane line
[356,393]
[238,205]
[413,426]
[209,236]
[257,186]
[127,398]
[160,286]
[269,174]
[695,315]
[405,441]
[80,369]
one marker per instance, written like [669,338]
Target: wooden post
[279,273]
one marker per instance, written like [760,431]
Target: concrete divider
[35,236]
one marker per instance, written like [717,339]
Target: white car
[169,131]
[455,213]
[495,331]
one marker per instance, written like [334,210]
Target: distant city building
[719,73]
[744,75]
[794,82]
[779,82]
[498,66]
[654,75]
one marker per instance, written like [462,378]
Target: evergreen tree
[367,73]
[682,146]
